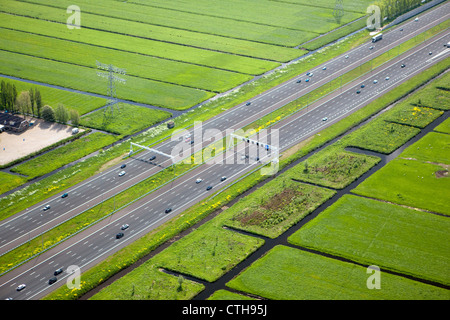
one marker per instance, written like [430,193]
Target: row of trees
[391,9]
[29,102]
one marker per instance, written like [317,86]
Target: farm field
[123,119]
[414,179]
[373,232]
[333,167]
[291,274]
[182,53]
[276,206]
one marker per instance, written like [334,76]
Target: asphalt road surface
[99,241]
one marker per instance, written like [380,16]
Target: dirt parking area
[38,136]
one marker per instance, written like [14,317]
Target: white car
[324,119]
[387,78]
[21,287]
[375,81]
[122,173]
[416,19]
[198,180]
[46,207]
[124,226]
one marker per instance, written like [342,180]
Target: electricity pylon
[110,74]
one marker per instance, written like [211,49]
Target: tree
[74,117]
[31,93]
[23,103]
[38,101]
[61,113]
[48,114]
[3,95]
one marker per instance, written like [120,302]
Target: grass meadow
[176,55]
[413,179]
[373,232]
[123,119]
[286,273]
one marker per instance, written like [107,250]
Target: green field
[333,167]
[290,274]
[151,284]
[416,178]
[392,237]
[123,119]
[176,55]
[276,206]
[381,136]
[444,127]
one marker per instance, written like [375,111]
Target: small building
[13,123]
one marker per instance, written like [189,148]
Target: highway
[96,243]
[92,245]
[32,222]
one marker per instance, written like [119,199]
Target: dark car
[358,92]
[208,187]
[119,235]
[52,280]
[123,166]
[403,65]
[59,271]
[248,103]
[152,158]
[168,210]
[64,195]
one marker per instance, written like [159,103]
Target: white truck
[377,37]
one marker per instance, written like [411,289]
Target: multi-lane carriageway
[97,242]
